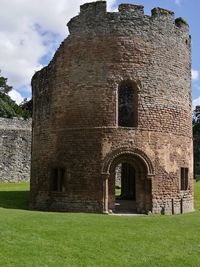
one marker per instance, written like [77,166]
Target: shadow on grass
[14,199]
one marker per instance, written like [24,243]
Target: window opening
[58,180]
[184,178]
[127,105]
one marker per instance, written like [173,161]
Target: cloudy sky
[30,32]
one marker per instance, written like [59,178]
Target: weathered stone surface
[75,120]
[15,150]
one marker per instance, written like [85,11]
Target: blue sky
[29,40]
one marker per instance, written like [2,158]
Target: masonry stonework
[75,113]
[15,150]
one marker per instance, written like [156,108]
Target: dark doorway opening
[125,188]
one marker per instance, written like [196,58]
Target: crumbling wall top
[94,17]
[93,8]
[157,11]
[136,9]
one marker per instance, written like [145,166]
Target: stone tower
[115,101]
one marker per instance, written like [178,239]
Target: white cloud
[31,30]
[196,102]
[16,96]
[195,75]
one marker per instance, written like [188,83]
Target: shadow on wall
[14,199]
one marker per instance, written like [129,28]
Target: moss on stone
[158,10]
[130,7]
[180,21]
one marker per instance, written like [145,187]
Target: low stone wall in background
[15,150]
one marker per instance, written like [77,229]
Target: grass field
[38,239]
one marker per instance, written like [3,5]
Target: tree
[4,87]
[8,108]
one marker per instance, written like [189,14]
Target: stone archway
[136,182]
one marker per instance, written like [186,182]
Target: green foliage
[117,190]
[31,238]
[158,10]
[9,109]
[197,195]
[196,128]
[4,87]
[180,21]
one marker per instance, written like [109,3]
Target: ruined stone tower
[116,98]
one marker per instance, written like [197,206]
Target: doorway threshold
[127,214]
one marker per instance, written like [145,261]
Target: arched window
[127,104]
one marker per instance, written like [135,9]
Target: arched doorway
[128,184]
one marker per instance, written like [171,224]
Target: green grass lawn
[29,238]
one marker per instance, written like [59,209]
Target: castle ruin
[15,150]
[116,98]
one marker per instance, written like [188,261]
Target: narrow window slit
[58,182]
[127,104]
[184,178]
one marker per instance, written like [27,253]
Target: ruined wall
[75,107]
[15,150]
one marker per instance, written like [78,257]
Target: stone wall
[75,111]
[15,150]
